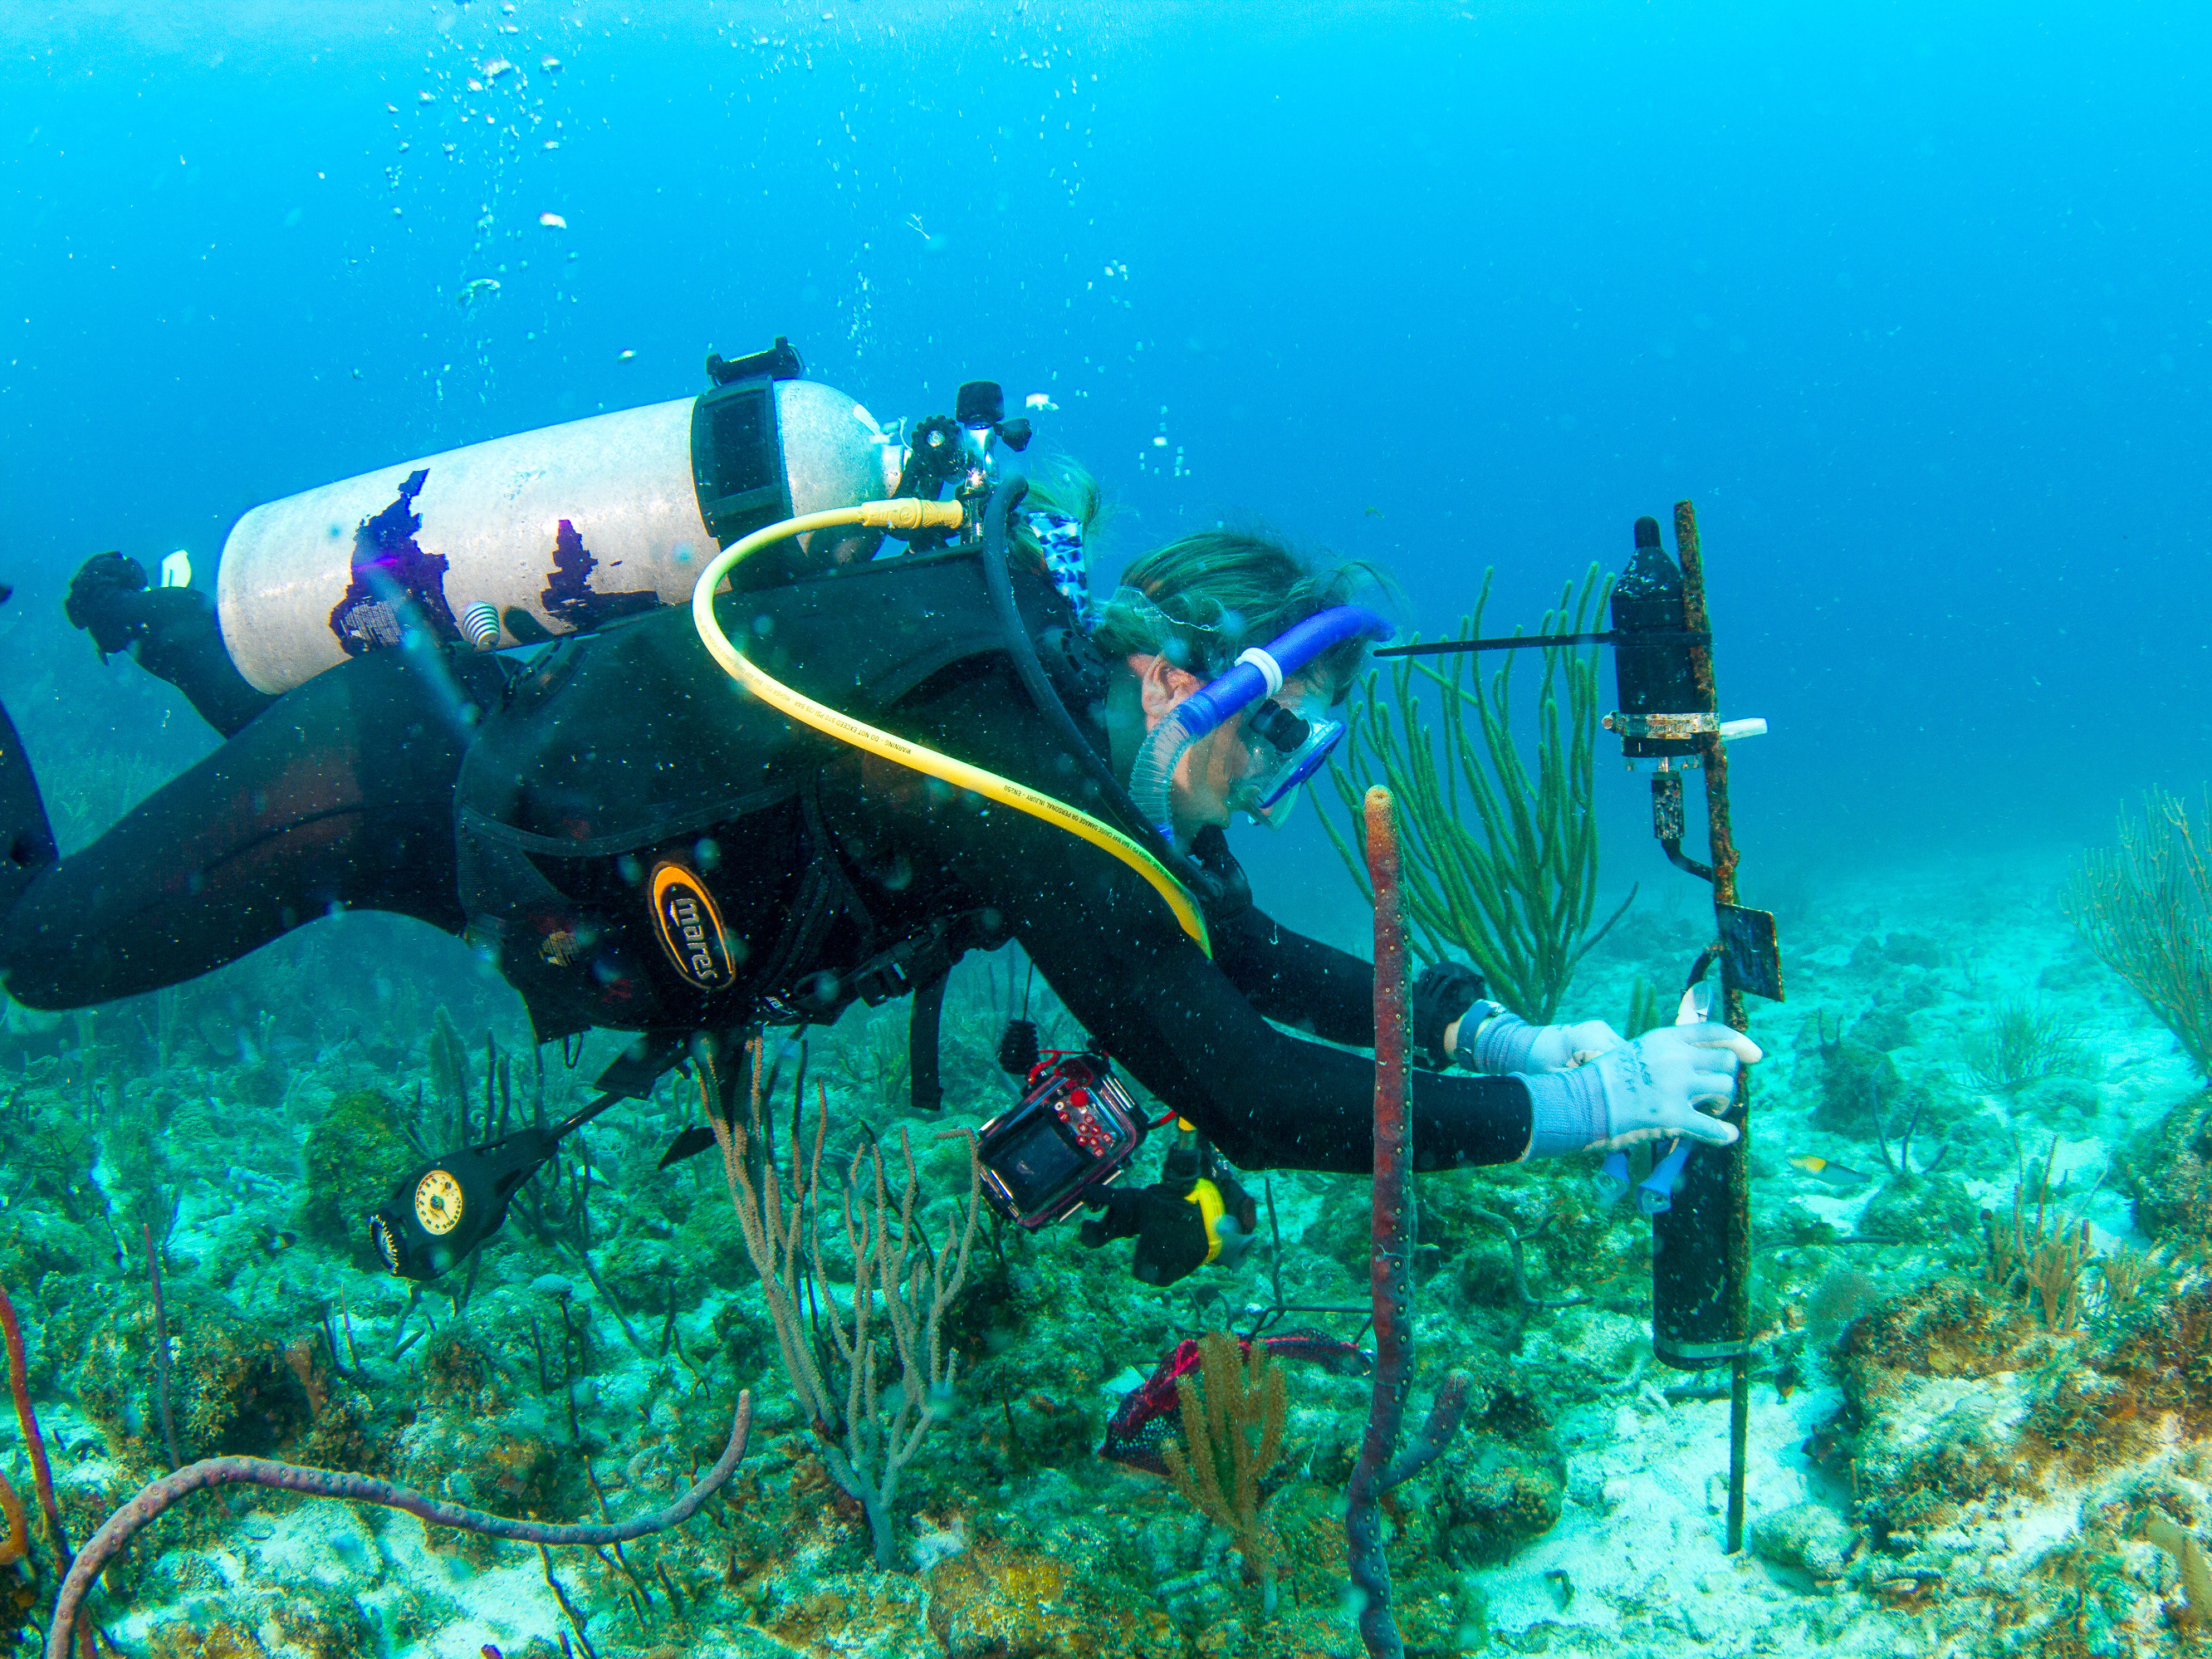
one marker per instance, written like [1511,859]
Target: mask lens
[1270,789]
[1278,726]
[1301,763]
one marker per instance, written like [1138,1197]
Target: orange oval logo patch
[690,927]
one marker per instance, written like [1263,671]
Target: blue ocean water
[1905,299]
[1910,300]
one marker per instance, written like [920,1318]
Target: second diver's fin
[27,839]
[692,1142]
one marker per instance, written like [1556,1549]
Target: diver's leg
[341,794]
[171,632]
[27,839]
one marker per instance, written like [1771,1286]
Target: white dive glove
[1647,1089]
[1506,1043]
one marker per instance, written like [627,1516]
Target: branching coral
[2124,1273]
[2024,1043]
[2146,908]
[1500,867]
[1233,1413]
[19,1381]
[2047,1257]
[17,1544]
[868,1433]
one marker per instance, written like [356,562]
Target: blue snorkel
[1259,673]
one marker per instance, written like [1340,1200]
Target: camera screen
[1037,1165]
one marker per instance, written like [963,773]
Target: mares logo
[690,927]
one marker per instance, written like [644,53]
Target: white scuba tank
[546,532]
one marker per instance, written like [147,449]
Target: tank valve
[480,622]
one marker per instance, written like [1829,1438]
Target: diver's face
[1216,775]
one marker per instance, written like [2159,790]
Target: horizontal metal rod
[1617,636]
[1520,640]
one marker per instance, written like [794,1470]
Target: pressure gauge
[437,1202]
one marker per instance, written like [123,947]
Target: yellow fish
[1835,1174]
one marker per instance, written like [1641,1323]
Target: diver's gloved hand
[107,598]
[1507,1043]
[1179,1224]
[1443,993]
[1647,1089]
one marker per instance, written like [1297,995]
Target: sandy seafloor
[1016,1538]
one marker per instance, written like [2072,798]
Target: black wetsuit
[532,809]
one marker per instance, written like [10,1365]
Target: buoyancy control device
[553,532]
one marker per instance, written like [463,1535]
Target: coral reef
[1946,1457]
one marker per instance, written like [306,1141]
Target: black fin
[926,1086]
[26,840]
[692,1142]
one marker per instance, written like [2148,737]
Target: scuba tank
[523,538]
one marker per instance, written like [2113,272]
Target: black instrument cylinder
[1657,678]
[1691,1300]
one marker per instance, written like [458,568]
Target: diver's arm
[1291,979]
[1298,980]
[1149,997]
[1264,1097]
[1147,994]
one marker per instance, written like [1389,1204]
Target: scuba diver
[636,827]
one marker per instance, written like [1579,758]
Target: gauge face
[438,1203]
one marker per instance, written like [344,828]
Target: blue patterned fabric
[1061,539]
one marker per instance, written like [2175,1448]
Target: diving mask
[1286,747]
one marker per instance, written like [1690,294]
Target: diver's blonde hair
[1201,600]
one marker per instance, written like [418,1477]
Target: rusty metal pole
[1721,838]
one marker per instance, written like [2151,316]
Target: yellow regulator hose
[907,513]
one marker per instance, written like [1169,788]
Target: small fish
[277,1242]
[1821,1168]
[624,356]
[497,67]
[475,85]
[548,64]
[394,109]
[552,143]
[483,289]
[426,97]
[552,221]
